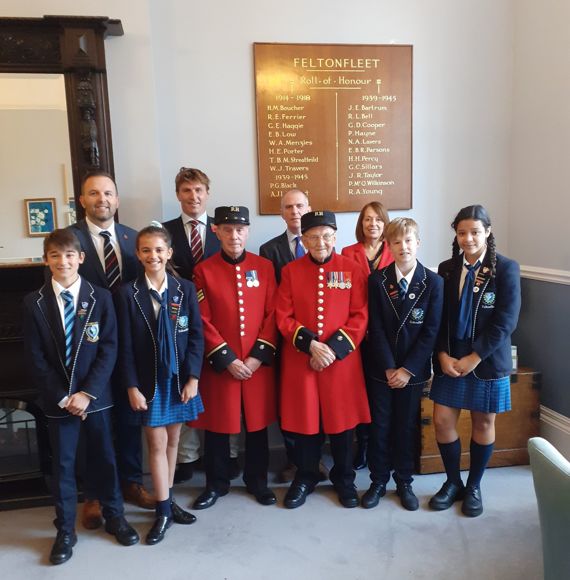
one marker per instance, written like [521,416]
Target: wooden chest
[513,429]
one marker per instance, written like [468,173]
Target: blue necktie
[299,251]
[403,284]
[68,321]
[465,316]
[167,353]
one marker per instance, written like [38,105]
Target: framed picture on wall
[41,216]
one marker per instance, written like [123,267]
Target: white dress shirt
[73,290]
[464,271]
[163,287]
[99,242]
[293,244]
[202,224]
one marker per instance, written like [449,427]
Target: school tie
[166,351]
[112,270]
[195,241]
[68,322]
[465,316]
[299,250]
[403,288]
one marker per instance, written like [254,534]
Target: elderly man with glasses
[322,314]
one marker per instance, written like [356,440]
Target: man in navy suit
[285,247]
[70,332]
[100,200]
[193,240]
[405,302]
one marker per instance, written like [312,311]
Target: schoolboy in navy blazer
[496,306]
[138,328]
[75,396]
[402,333]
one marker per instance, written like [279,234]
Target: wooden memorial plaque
[336,122]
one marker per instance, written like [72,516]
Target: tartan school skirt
[166,408]
[469,392]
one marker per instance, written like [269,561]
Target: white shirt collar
[203,218]
[162,288]
[73,289]
[481,258]
[408,276]
[291,236]
[95,230]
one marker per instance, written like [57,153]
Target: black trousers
[100,456]
[307,455]
[217,460]
[393,431]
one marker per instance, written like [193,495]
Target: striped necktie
[465,314]
[195,241]
[112,270]
[299,251]
[68,321]
[403,284]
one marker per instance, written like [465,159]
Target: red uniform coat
[326,302]
[237,304]
[357,253]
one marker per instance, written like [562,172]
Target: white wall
[34,148]
[182,93]
[540,200]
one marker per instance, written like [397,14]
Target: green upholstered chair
[551,474]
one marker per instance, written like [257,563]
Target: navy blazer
[92,269]
[138,345]
[279,252]
[182,259]
[496,307]
[403,335]
[94,347]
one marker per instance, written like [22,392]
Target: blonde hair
[401,227]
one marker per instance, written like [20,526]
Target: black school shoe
[448,494]
[371,498]
[62,548]
[347,496]
[122,530]
[181,516]
[157,532]
[407,497]
[472,503]
[185,471]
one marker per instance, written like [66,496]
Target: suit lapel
[175,297]
[284,249]
[212,244]
[85,304]
[144,303]
[91,256]
[390,287]
[481,282]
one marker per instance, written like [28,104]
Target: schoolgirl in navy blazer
[138,334]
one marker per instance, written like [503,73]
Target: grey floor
[239,539]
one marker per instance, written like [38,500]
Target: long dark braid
[477,213]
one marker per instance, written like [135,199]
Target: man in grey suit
[110,259]
[287,246]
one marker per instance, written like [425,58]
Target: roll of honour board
[334,121]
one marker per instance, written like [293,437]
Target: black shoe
[448,494]
[360,456]
[296,495]
[207,499]
[185,471]
[158,530]
[472,502]
[122,530]
[371,498]
[264,496]
[235,469]
[348,497]
[62,550]
[180,516]
[407,496]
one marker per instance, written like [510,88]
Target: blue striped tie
[69,319]
[403,284]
